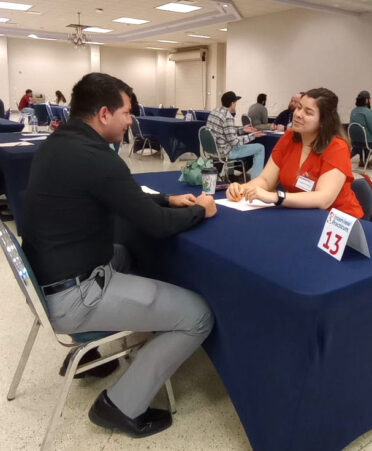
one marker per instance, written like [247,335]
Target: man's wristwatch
[281,197]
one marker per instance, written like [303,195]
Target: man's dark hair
[94,91]
[261,98]
[362,97]
[28,91]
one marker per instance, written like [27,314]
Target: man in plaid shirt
[233,141]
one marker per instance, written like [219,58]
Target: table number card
[341,229]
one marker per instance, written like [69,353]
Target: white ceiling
[56,15]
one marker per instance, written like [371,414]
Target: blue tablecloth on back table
[176,136]
[15,163]
[163,112]
[292,340]
[57,111]
[7,126]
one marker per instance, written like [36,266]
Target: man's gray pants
[128,302]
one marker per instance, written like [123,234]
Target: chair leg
[172,401]
[366,163]
[58,409]
[23,360]
[131,149]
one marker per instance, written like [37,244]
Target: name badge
[305,183]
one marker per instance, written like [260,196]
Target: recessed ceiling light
[199,36]
[223,29]
[4,19]
[97,30]
[36,13]
[33,36]
[15,6]
[178,8]
[169,42]
[130,20]
[155,48]
[2,34]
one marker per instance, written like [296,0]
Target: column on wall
[216,74]
[95,58]
[4,75]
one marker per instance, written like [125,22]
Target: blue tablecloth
[7,126]
[201,115]
[176,136]
[57,111]
[292,340]
[40,113]
[15,163]
[269,142]
[163,112]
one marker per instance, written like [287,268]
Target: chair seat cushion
[84,337]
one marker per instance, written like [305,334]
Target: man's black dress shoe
[99,371]
[104,413]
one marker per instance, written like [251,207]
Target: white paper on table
[244,205]
[276,132]
[35,134]
[148,190]
[35,138]
[16,144]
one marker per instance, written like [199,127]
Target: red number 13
[336,244]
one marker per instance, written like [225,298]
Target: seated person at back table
[25,102]
[258,113]
[311,161]
[362,114]
[285,118]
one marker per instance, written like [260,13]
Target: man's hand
[272,126]
[249,129]
[280,128]
[183,200]
[235,192]
[208,203]
[259,133]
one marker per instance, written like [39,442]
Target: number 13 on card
[332,244]
[341,229]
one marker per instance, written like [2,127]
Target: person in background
[25,102]
[135,109]
[77,185]
[285,118]
[311,161]
[60,98]
[258,113]
[2,110]
[362,115]
[233,141]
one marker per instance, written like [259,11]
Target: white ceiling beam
[316,7]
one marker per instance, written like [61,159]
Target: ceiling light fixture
[198,36]
[4,19]
[130,21]
[78,38]
[178,7]
[223,29]
[15,6]
[97,30]
[168,42]
[36,13]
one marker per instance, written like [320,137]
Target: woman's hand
[255,192]
[183,200]
[235,192]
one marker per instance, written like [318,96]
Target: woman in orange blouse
[311,161]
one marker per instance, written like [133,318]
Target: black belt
[61,286]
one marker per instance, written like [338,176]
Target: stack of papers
[243,205]
[18,143]
[35,138]
[148,190]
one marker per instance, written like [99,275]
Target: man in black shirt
[285,118]
[77,184]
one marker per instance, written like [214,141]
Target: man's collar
[79,123]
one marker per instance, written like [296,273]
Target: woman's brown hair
[329,120]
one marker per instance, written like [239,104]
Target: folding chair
[142,109]
[138,136]
[210,151]
[363,193]
[246,120]
[81,342]
[66,114]
[358,138]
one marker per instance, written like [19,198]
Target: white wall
[44,67]
[4,85]
[136,67]
[280,54]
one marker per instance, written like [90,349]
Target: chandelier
[78,38]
